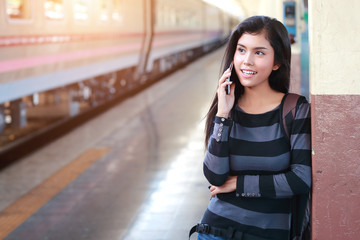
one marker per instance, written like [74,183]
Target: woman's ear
[276,67]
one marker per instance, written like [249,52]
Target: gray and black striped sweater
[270,170]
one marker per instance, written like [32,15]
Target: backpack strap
[301,206]
[288,111]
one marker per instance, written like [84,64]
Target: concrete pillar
[334,33]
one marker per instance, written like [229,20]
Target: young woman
[253,169]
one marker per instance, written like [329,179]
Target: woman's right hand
[225,102]
[227,187]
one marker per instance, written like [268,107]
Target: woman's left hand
[228,186]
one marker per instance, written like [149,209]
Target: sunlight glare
[229,6]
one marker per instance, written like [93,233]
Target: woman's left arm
[293,182]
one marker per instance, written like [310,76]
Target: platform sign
[290,19]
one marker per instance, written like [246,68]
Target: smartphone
[227,88]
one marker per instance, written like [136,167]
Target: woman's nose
[248,60]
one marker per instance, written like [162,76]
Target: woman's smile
[246,73]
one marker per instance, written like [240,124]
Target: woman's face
[254,60]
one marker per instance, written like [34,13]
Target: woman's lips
[248,73]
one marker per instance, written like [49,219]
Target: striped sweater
[270,170]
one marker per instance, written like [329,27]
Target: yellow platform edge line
[18,212]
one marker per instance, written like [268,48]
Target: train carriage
[60,56]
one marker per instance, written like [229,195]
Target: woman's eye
[241,50]
[260,53]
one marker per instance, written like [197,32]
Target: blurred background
[135,78]
[59,58]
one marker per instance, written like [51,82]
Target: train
[58,57]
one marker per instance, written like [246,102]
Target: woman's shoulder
[297,102]
[292,100]
[300,98]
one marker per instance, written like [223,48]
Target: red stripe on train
[16,64]
[11,41]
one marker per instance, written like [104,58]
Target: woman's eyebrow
[256,48]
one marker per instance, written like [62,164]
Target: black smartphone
[227,88]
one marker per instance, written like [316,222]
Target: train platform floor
[134,172]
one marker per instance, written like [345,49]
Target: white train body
[52,44]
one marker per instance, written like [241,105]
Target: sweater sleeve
[216,163]
[297,180]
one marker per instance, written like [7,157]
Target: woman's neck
[257,102]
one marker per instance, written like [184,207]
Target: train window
[54,9]
[104,10]
[160,15]
[18,9]
[116,12]
[81,10]
[172,17]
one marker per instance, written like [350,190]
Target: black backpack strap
[301,217]
[288,111]
[301,207]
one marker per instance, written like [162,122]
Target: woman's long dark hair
[279,80]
